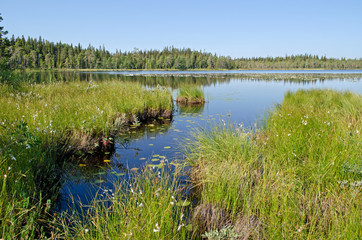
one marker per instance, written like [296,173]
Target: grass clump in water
[291,180]
[190,95]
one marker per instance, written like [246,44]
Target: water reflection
[174,80]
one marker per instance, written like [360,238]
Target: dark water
[230,98]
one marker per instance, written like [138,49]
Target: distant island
[32,53]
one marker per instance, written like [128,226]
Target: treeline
[21,53]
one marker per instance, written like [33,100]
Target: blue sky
[232,28]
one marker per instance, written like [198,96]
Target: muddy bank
[78,144]
[190,102]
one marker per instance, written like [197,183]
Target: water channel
[234,97]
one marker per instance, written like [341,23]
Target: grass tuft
[190,96]
[293,178]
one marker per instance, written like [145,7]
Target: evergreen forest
[38,53]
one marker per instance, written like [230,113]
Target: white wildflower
[157,229]
[179,227]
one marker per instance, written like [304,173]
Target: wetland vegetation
[299,177]
[43,124]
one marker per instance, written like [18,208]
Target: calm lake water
[236,97]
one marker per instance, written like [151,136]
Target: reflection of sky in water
[235,101]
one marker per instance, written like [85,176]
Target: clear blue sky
[233,28]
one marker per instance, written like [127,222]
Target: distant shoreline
[180,70]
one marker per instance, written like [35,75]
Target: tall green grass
[39,123]
[190,95]
[299,178]
[148,207]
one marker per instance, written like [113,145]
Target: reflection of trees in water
[193,108]
[176,80]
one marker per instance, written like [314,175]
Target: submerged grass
[299,178]
[41,123]
[190,95]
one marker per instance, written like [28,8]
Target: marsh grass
[293,178]
[147,207]
[190,95]
[40,124]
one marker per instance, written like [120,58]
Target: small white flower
[172,203]
[86,230]
[9,168]
[157,229]
[179,227]
[5,176]
[289,134]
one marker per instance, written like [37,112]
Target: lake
[235,97]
